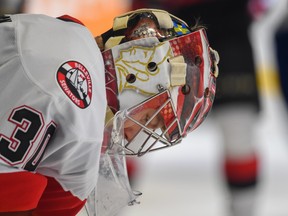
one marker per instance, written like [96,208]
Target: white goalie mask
[155,61]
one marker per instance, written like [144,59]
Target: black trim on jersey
[5,18]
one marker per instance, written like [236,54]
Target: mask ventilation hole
[207,92]
[130,78]
[152,66]
[185,89]
[198,61]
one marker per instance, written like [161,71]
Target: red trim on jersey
[20,191]
[23,191]
[70,19]
[57,202]
[241,170]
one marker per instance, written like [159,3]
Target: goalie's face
[154,122]
[151,125]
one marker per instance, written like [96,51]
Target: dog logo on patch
[74,79]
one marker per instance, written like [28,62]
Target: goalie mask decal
[74,79]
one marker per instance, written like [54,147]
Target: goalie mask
[157,65]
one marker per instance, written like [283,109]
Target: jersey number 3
[29,125]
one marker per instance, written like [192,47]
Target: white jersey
[53,101]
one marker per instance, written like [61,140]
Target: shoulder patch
[75,80]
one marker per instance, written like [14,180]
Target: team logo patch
[74,79]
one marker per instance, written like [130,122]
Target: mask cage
[147,139]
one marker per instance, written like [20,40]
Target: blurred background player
[281,45]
